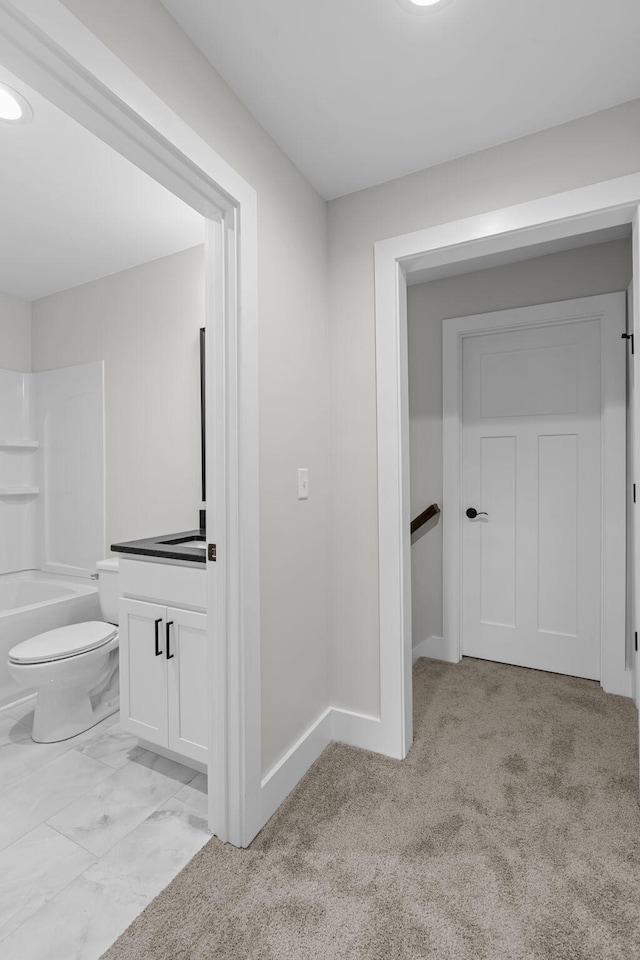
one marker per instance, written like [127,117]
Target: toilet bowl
[74,669]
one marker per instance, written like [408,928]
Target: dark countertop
[167,546]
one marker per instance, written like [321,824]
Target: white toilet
[74,668]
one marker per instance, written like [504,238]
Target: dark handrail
[420,520]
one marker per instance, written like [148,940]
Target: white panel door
[531,459]
[187,683]
[143,670]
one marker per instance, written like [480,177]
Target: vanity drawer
[166,583]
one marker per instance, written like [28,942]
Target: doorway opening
[580,218]
[57,57]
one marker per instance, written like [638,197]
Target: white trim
[283,777]
[394,558]
[631,518]
[358,730]
[342,726]
[635,328]
[46,46]
[451,531]
[614,677]
[575,212]
[586,209]
[435,648]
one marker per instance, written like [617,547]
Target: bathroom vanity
[163,646]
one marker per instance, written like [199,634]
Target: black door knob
[472,513]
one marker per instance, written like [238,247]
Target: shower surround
[52,495]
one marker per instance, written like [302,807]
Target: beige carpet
[511,831]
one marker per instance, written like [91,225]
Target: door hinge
[634,493]
[211,551]
[627,336]
[636,641]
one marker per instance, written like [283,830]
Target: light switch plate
[303,483]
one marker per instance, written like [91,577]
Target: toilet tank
[109,588]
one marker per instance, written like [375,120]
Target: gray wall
[599,147]
[319,559]
[586,272]
[144,323]
[293,357]
[15,333]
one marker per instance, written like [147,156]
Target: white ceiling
[73,210]
[357,92]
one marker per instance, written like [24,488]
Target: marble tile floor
[91,830]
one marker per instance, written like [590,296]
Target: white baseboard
[343,726]
[281,779]
[357,730]
[621,684]
[354,729]
[434,647]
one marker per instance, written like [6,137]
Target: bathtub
[32,602]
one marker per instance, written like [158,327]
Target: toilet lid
[63,642]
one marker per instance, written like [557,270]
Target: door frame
[43,44]
[614,677]
[415,257]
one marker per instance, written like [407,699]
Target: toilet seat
[69,641]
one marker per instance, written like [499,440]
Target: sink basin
[191,542]
[189,546]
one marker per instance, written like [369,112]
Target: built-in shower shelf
[19,444]
[18,491]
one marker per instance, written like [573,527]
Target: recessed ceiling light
[423,6]
[13,107]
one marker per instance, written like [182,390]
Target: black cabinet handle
[170,656]
[157,637]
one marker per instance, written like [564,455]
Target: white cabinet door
[187,682]
[143,670]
